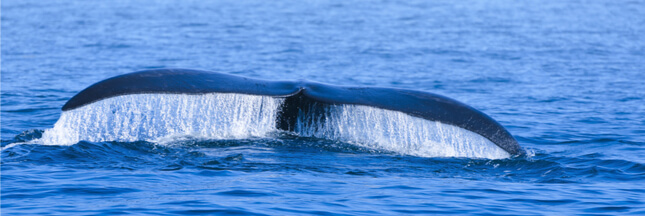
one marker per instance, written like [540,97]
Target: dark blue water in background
[566,78]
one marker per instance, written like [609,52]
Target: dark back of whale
[415,103]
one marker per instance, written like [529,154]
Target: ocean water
[566,78]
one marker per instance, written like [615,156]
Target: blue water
[566,78]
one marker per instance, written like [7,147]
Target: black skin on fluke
[301,95]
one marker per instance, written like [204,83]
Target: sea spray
[395,131]
[154,116]
[162,118]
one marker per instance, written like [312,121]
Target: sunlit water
[566,78]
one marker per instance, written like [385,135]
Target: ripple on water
[564,77]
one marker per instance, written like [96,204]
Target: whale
[301,97]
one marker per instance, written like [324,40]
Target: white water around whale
[155,117]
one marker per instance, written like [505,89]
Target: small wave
[312,155]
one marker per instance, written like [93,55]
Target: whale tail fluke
[355,114]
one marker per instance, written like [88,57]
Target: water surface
[564,77]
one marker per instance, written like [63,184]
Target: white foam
[398,132]
[151,117]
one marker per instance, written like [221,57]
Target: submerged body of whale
[303,105]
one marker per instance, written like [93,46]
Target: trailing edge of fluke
[300,95]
